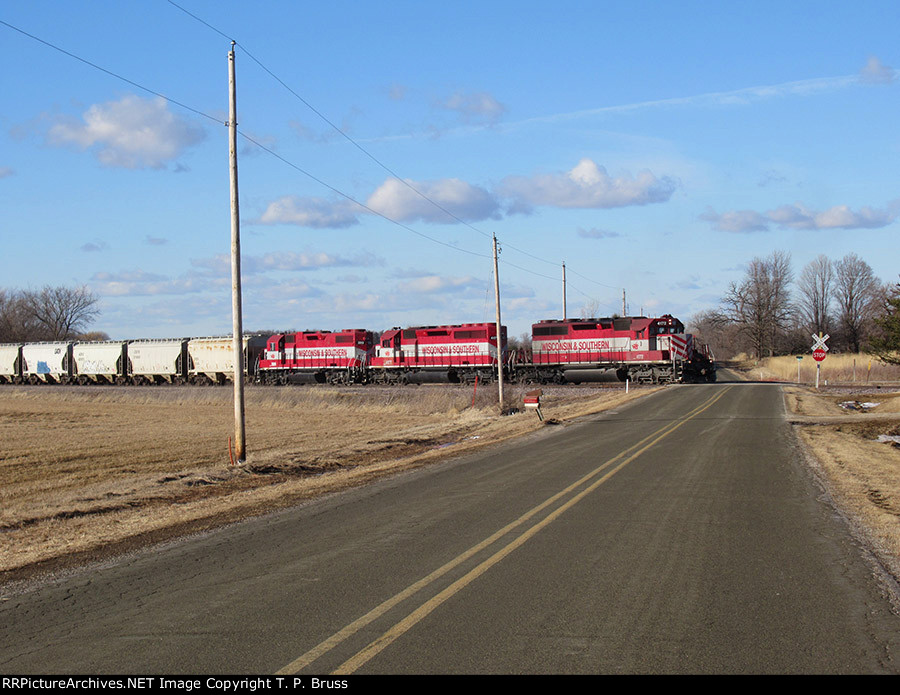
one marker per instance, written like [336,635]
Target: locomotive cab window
[551,330]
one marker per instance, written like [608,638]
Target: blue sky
[654,147]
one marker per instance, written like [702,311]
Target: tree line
[51,313]
[770,313]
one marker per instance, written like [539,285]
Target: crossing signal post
[819,349]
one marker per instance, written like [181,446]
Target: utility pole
[624,310]
[499,326]
[240,442]
[564,291]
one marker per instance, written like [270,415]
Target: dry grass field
[836,369]
[861,474]
[88,471]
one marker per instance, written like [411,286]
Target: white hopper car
[174,361]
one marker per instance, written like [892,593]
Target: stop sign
[819,355]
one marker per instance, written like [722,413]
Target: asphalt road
[680,534]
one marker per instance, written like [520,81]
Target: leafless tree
[816,288]
[713,328]
[17,324]
[590,309]
[885,343]
[760,306]
[60,313]
[857,292]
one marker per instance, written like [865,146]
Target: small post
[532,400]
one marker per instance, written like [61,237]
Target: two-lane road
[682,533]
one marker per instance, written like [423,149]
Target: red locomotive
[460,353]
[341,357]
[640,349]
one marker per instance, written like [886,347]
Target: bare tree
[816,286]
[723,337]
[590,309]
[857,292]
[17,323]
[61,312]
[760,305]
[885,344]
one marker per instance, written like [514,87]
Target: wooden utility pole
[564,291]
[240,443]
[499,326]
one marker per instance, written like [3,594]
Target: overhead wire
[271,152]
[362,149]
[111,73]
[244,135]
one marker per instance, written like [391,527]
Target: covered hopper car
[175,361]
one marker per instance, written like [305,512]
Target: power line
[111,73]
[333,125]
[244,135]
[295,166]
[356,202]
[362,149]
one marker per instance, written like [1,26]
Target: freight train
[637,348]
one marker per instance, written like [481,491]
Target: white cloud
[432,284]
[289,261]
[317,213]
[737,97]
[397,92]
[876,72]
[474,106]
[398,201]
[587,185]
[140,283]
[595,233]
[737,221]
[131,133]
[798,216]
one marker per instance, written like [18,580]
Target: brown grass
[861,474]
[87,470]
[835,369]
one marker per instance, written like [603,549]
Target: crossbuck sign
[819,343]
[819,347]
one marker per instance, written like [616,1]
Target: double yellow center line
[608,469]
